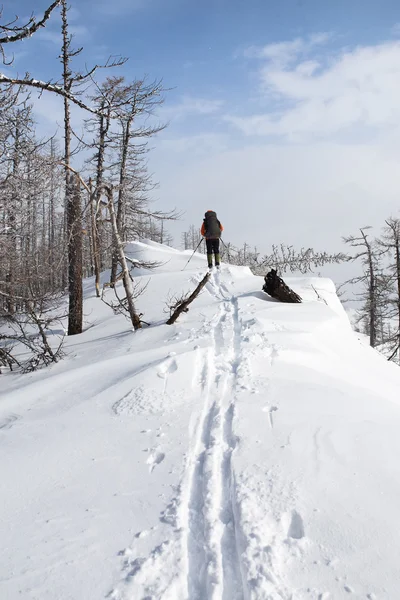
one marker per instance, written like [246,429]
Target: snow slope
[248,452]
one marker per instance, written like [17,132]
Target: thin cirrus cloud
[324,96]
[189,106]
[283,53]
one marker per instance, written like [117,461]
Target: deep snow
[248,452]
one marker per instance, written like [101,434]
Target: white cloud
[281,52]
[304,194]
[357,89]
[195,145]
[342,111]
[284,53]
[190,106]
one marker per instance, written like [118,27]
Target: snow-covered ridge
[248,452]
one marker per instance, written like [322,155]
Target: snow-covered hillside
[248,452]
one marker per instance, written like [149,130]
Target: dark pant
[213,248]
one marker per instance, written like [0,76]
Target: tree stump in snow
[275,286]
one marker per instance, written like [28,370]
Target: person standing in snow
[211,229]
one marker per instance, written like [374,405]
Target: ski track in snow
[217,550]
[202,560]
[213,558]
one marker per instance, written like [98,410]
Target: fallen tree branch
[183,306]
[138,264]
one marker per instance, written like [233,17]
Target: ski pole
[227,250]
[192,255]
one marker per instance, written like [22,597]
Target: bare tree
[29,329]
[372,282]
[141,99]
[72,84]
[26,300]
[121,131]
[390,245]
[111,96]
[71,90]
[126,276]
[191,239]
[75,313]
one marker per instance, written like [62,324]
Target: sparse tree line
[65,212]
[282,258]
[376,289]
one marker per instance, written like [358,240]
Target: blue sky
[284,115]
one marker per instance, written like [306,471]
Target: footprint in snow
[141,534]
[154,460]
[168,367]
[135,566]
[296,527]
[125,552]
[270,410]
[8,421]
[348,589]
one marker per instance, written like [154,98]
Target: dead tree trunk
[104,125]
[95,239]
[121,196]
[127,281]
[372,292]
[74,220]
[183,305]
[275,287]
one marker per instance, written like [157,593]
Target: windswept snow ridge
[248,452]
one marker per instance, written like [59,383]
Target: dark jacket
[211,227]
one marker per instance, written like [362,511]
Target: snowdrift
[248,452]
